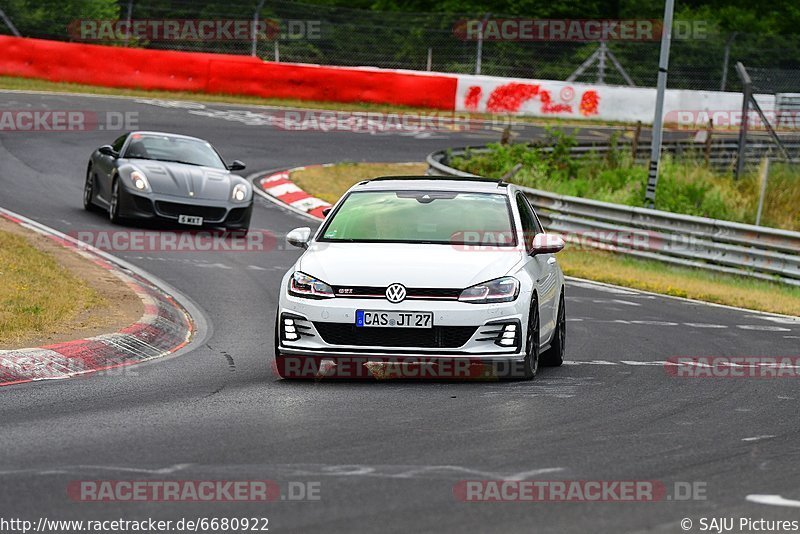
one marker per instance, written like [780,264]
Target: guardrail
[723,246]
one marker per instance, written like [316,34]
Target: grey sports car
[169,177]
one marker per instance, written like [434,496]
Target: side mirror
[326,211]
[108,150]
[236,166]
[299,237]
[546,244]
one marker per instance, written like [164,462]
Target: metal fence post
[479,52]
[747,87]
[709,141]
[256,15]
[601,64]
[658,121]
[129,19]
[9,23]
[635,143]
[725,60]
[430,58]
[763,176]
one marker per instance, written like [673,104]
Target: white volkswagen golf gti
[423,272]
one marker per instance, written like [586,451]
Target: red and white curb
[165,327]
[278,187]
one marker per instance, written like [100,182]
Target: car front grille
[173,209]
[418,293]
[438,337]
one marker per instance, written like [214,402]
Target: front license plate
[393,319]
[190,219]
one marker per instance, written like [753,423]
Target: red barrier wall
[219,73]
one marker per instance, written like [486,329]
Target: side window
[117,145]
[529,225]
[539,229]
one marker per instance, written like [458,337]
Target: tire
[554,356]
[531,364]
[88,190]
[113,206]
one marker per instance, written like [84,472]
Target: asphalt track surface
[386,454]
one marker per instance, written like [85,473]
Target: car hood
[179,179]
[413,265]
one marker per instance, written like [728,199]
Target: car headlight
[239,192]
[503,289]
[302,285]
[139,181]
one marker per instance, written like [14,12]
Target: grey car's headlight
[239,193]
[139,181]
[503,289]
[302,285]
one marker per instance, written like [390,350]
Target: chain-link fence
[427,41]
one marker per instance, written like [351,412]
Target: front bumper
[168,208]
[460,330]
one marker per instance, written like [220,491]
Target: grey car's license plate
[394,319]
[190,219]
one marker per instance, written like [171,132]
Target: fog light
[511,328]
[290,330]
[511,335]
[506,341]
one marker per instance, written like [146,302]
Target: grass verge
[37,294]
[331,181]
[30,84]
[697,284]
[50,294]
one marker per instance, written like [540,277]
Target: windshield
[176,149]
[441,217]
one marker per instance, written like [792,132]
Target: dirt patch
[113,305]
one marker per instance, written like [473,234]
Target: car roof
[434,183]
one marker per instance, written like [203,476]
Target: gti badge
[395,293]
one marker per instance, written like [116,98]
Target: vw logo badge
[396,293]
